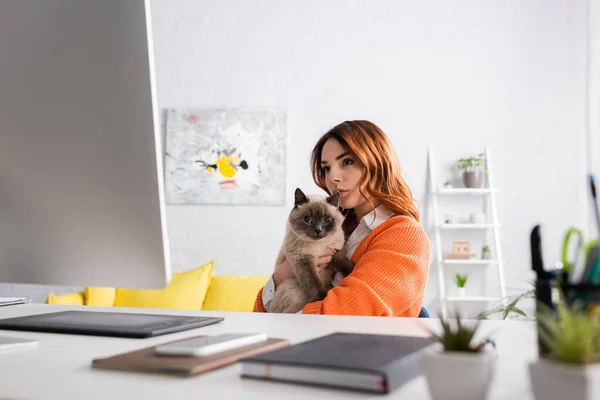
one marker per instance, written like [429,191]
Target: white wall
[593,103]
[456,75]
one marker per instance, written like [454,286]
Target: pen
[595,198]
[595,274]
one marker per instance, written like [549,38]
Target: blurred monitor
[81,176]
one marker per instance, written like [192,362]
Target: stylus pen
[595,198]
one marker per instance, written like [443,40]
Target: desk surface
[59,368]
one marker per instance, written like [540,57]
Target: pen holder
[546,293]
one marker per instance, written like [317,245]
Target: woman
[385,242]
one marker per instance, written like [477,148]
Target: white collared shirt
[367,224]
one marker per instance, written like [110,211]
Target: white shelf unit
[464,191]
[469,262]
[467,226]
[467,299]
[490,192]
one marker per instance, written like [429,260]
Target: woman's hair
[382,178]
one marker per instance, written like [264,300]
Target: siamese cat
[314,224]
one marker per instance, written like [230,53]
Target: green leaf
[461,280]
[458,338]
[571,334]
[519,311]
[511,306]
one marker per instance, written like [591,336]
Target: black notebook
[367,362]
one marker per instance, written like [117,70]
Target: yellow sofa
[196,289]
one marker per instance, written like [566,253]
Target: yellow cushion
[73,299]
[186,291]
[100,296]
[233,293]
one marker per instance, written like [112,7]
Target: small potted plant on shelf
[473,171]
[461,281]
[485,253]
[571,368]
[458,368]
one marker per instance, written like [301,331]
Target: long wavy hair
[382,178]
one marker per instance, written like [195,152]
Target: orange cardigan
[390,273]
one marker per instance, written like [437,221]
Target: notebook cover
[397,358]
[146,360]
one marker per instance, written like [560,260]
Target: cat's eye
[327,220]
[307,219]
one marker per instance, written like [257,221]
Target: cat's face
[316,217]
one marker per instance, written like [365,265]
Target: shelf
[463,228]
[469,262]
[467,226]
[467,299]
[464,191]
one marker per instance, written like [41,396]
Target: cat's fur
[314,224]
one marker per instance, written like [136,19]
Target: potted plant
[473,172]
[571,368]
[485,252]
[460,369]
[461,281]
[509,308]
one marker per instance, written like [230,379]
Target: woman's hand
[324,258]
[282,272]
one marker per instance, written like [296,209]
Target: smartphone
[208,345]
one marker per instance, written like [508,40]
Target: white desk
[59,368]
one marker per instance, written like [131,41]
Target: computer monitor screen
[81,185]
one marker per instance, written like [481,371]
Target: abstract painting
[225,156]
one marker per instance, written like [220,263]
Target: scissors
[570,263]
[576,268]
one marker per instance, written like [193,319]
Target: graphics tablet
[107,323]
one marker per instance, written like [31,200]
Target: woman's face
[343,173]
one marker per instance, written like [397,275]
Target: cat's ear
[299,198]
[334,199]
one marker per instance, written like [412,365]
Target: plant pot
[458,375]
[552,380]
[486,255]
[473,179]
[461,291]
